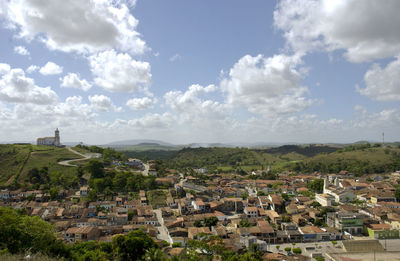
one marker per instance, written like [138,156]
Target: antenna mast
[383,139]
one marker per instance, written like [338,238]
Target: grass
[45,156]
[157,197]
[12,158]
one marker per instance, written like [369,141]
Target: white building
[50,141]
[324,199]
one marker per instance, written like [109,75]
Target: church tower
[57,138]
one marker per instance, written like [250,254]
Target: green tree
[296,250]
[95,168]
[210,221]
[132,246]
[53,193]
[19,233]
[244,223]
[316,185]
[92,195]
[198,223]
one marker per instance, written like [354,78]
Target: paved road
[68,162]
[163,232]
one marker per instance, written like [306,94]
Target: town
[292,216]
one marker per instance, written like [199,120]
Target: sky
[207,71]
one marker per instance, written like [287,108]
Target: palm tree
[154,254]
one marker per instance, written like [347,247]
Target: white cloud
[51,68]
[266,86]
[32,69]
[21,50]
[141,103]
[175,57]
[103,103]
[119,72]
[4,68]
[72,80]
[75,25]
[152,121]
[366,29]
[15,87]
[192,109]
[382,84]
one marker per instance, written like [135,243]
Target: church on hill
[50,141]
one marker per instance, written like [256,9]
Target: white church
[50,141]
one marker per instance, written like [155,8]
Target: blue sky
[200,71]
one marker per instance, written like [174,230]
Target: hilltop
[17,160]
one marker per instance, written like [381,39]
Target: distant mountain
[138,142]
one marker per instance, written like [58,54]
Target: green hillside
[145,147]
[357,159]
[12,159]
[17,160]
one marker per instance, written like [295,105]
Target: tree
[132,246]
[211,221]
[288,249]
[397,195]
[316,185]
[296,250]
[92,195]
[53,193]
[155,254]
[198,223]
[315,204]
[19,233]
[95,168]
[244,223]
[277,247]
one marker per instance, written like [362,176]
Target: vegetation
[20,234]
[296,250]
[361,159]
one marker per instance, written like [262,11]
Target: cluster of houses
[248,212]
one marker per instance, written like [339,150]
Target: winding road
[85,157]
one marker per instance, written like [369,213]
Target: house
[313,233]
[83,191]
[324,199]
[251,212]
[349,222]
[277,203]
[383,197]
[382,231]
[78,234]
[273,216]
[194,231]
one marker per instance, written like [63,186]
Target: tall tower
[57,136]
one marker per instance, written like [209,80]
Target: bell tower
[57,138]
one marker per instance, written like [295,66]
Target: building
[325,199]
[382,231]
[50,141]
[349,222]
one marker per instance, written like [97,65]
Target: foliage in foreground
[21,234]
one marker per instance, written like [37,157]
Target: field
[44,156]
[12,159]
[17,160]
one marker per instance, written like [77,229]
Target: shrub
[297,250]
[287,249]
[176,244]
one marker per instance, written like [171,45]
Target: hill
[17,160]
[361,159]
[136,142]
[146,146]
